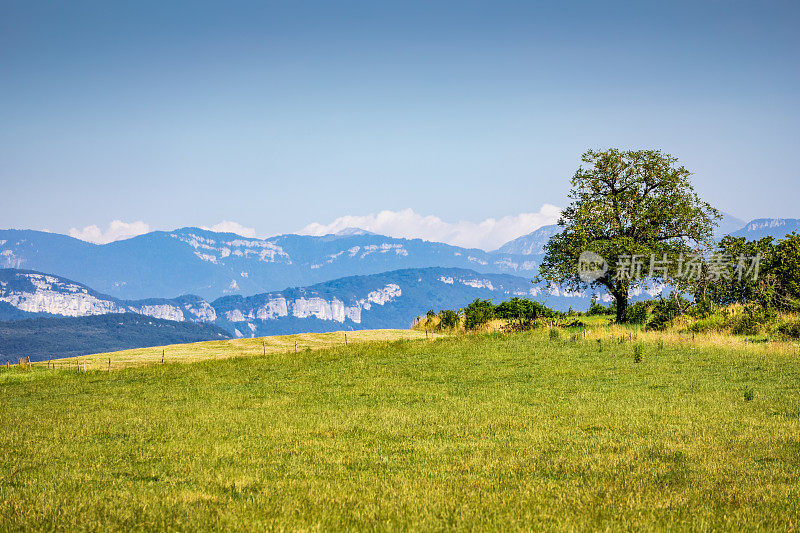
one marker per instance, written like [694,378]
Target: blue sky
[277,115]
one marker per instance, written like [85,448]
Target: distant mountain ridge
[210,264]
[768,227]
[531,244]
[386,300]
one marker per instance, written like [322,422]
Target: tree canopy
[632,213]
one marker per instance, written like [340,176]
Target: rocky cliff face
[777,228]
[390,299]
[333,309]
[35,293]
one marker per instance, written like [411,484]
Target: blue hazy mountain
[210,264]
[386,300]
[768,227]
[728,225]
[531,244]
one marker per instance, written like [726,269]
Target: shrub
[478,313]
[554,334]
[449,318]
[596,308]
[638,352]
[745,324]
[715,322]
[790,329]
[521,313]
[637,313]
[749,395]
[664,312]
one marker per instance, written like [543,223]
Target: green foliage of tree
[785,265]
[521,312]
[625,203]
[449,318]
[596,308]
[664,312]
[763,275]
[637,313]
[732,286]
[478,313]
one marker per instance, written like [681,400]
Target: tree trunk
[622,306]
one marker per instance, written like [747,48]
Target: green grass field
[246,347]
[506,432]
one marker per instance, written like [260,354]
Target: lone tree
[627,206]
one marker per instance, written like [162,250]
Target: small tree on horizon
[478,313]
[635,203]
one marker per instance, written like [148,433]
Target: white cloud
[228,226]
[117,230]
[488,234]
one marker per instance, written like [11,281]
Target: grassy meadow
[522,431]
[223,349]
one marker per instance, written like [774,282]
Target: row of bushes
[520,313]
[737,319]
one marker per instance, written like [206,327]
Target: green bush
[790,329]
[449,318]
[664,312]
[478,313]
[521,312]
[637,313]
[715,322]
[596,308]
[745,324]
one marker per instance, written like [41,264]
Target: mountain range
[228,285]
[387,300]
[209,264]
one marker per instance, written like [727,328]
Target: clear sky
[277,115]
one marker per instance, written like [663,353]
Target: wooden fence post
[345,339]
[162,357]
[264,347]
[109,365]
[295,346]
